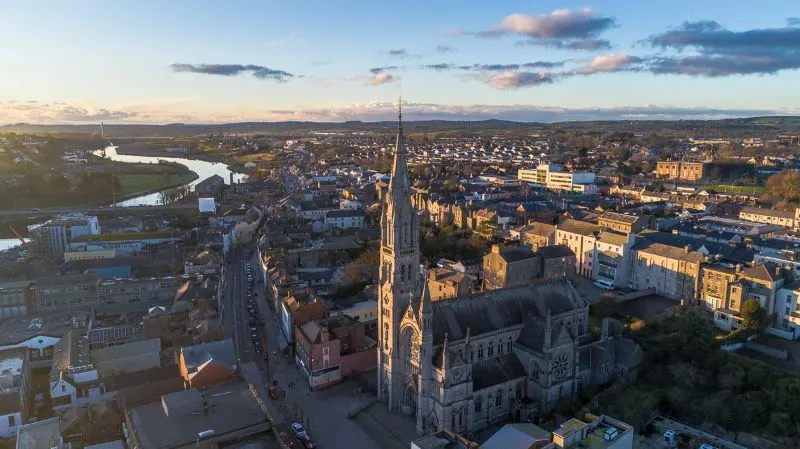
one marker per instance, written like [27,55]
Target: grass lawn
[134,183]
[258,157]
[722,188]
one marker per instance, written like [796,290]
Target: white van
[604,284]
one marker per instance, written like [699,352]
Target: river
[203,169]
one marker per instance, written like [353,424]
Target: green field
[135,183]
[722,188]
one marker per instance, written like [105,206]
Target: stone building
[507,267]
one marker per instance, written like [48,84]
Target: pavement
[324,414]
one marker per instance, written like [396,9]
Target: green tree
[753,317]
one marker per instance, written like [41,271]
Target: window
[478,404]
[480,352]
[490,350]
[12,421]
[509,345]
[499,348]
[63,388]
[498,400]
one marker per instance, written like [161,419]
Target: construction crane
[24,252]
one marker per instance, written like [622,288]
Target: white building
[14,385]
[52,238]
[344,219]
[555,178]
[788,299]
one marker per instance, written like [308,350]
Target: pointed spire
[425,306]
[401,141]
[399,182]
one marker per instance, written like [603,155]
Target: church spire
[399,183]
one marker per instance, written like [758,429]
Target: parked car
[273,393]
[298,430]
[307,443]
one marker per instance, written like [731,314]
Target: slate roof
[555,252]
[620,218]
[516,254]
[578,227]
[763,272]
[497,370]
[532,335]
[217,352]
[498,309]
[767,212]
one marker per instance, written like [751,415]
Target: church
[462,364]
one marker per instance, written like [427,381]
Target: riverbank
[138,185]
[148,150]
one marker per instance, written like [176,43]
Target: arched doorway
[410,398]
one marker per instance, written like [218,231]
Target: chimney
[687,248]
[496,249]
[738,268]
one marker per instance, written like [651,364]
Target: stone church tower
[398,276]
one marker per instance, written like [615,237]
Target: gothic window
[498,400]
[561,366]
[509,345]
[535,370]
[480,352]
[490,350]
[478,404]
[499,348]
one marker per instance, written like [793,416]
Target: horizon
[552,61]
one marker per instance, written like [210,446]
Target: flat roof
[231,407]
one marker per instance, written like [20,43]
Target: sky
[335,60]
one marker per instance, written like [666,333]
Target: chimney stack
[496,248]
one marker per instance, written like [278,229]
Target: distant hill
[736,126]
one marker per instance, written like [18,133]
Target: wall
[6,430]
[358,362]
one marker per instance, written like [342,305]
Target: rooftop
[45,434]
[178,418]
[442,439]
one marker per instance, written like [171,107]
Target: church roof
[497,370]
[498,309]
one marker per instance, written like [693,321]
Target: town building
[53,237]
[329,350]
[44,434]
[601,432]
[210,187]
[297,309]
[344,219]
[196,418]
[725,289]
[686,171]
[507,267]
[557,261]
[769,216]
[671,271]
[15,392]
[612,251]
[538,235]
[624,223]
[17,298]
[465,363]
[553,177]
[580,237]
[447,283]
[208,364]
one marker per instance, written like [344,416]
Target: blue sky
[200,61]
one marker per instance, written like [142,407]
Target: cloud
[614,62]
[495,67]
[715,51]
[187,110]
[513,79]
[563,29]
[377,70]
[401,53]
[793,21]
[233,70]
[380,111]
[381,78]
[59,112]
[444,49]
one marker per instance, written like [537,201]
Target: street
[324,414]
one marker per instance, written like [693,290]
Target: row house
[786,219]
[671,271]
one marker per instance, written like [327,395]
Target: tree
[753,317]
[58,184]
[784,185]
